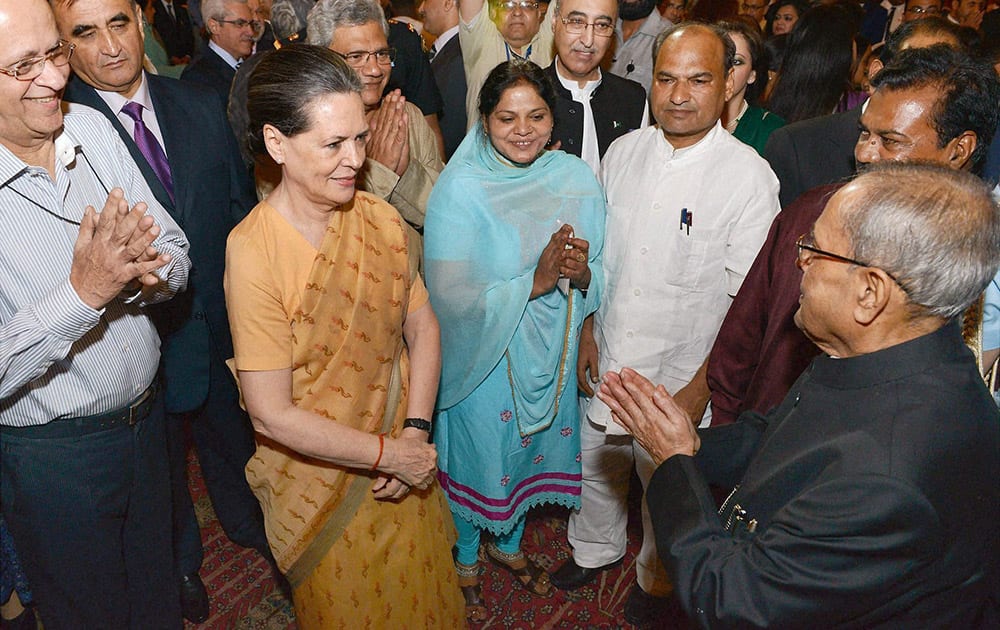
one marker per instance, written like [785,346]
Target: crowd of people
[400,273]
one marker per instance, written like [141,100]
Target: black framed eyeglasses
[577,26]
[359,58]
[29,69]
[803,244]
[241,23]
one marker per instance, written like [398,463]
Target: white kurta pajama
[669,285]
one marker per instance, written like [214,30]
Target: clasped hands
[563,256]
[113,251]
[650,414]
[408,461]
[389,137]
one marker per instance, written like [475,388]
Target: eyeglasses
[29,69]
[576,26]
[359,58]
[924,10]
[524,5]
[803,244]
[241,23]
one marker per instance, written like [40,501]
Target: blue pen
[687,218]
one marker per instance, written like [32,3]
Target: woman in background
[749,123]
[512,247]
[782,16]
[816,70]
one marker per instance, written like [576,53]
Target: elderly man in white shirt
[688,208]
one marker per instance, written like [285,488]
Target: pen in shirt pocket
[687,219]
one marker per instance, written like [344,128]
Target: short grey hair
[936,230]
[729,48]
[329,15]
[289,16]
[216,9]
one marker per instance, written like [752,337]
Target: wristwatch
[417,423]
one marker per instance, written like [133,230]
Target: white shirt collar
[573,86]
[229,59]
[443,39]
[695,148]
[116,101]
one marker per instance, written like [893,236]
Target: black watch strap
[417,423]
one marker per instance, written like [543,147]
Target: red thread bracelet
[381,447]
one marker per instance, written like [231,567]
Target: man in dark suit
[179,137]
[441,20]
[868,497]
[582,31]
[231,27]
[881,19]
[820,151]
[173,24]
[991,171]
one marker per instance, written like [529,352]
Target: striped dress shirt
[59,358]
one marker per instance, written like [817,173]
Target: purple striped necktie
[150,147]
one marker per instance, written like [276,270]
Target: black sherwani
[868,499]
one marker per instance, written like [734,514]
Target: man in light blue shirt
[85,489]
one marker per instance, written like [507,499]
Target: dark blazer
[868,499]
[449,74]
[411,72]
[618,105]
[991,170]
[210,69]
[813,152]
[213,193]
[176,32]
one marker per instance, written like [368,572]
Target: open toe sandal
[472,591]
[533,578]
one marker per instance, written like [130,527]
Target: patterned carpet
[245,595]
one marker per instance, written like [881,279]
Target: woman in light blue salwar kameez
[507,425]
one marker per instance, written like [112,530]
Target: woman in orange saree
[338,356]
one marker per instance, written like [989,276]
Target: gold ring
[581,257]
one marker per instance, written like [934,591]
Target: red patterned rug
[244,593]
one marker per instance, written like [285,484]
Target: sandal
[472,591]
[532,577]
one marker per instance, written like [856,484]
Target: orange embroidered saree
[335,316]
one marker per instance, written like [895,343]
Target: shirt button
[572,111]
[629,334]
[643,250]
[656,205]
[637,292]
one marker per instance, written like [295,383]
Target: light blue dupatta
[487,223]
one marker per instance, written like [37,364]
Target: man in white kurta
[688,208]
